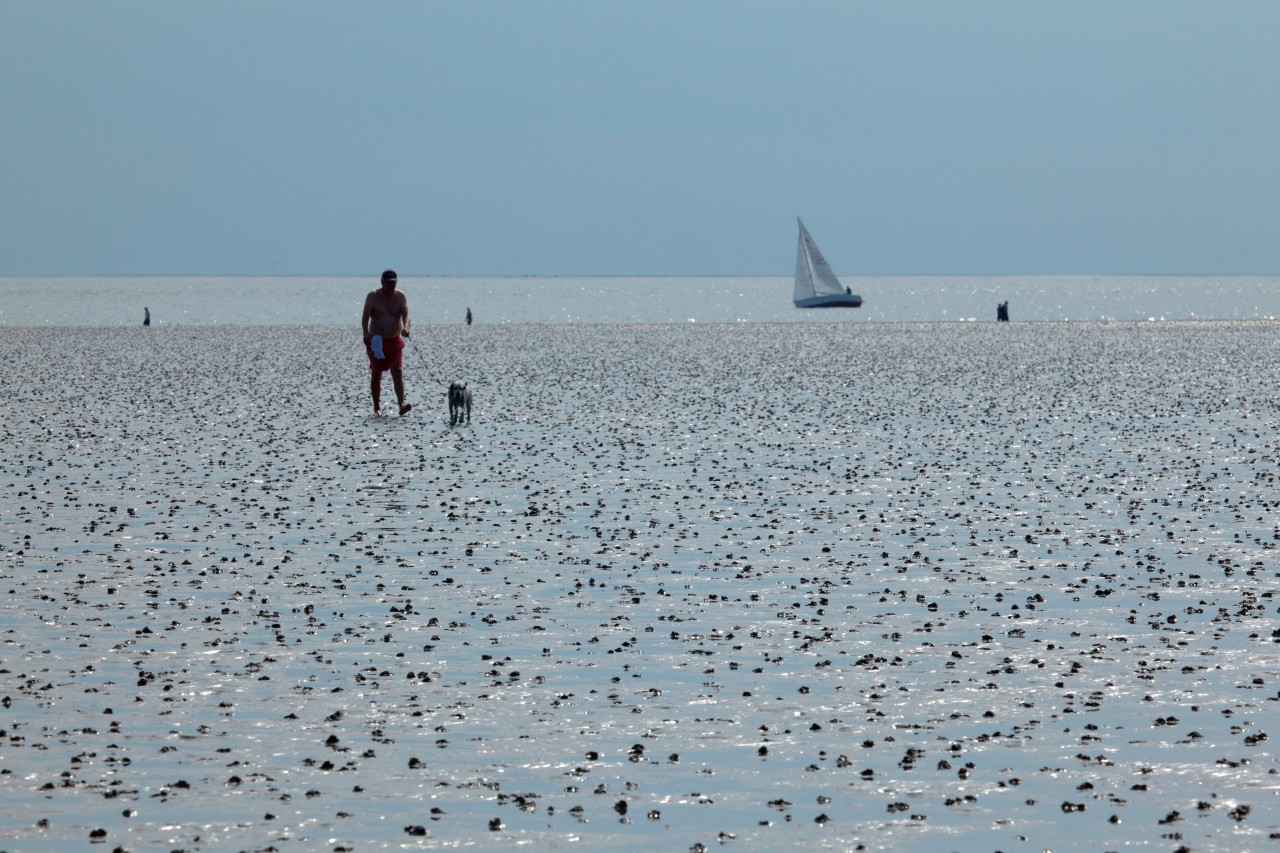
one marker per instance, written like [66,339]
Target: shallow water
[965,586]
[558,300]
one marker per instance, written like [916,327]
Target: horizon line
[374,275]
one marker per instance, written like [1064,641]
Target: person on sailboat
[384,321]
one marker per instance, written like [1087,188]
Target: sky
[645,137]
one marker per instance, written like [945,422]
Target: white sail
[816,283]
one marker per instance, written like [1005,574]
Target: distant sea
[337,300]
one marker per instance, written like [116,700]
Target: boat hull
[839,300]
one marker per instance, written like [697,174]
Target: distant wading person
[384,321]
[146,316]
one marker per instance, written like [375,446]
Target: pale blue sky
[652,137]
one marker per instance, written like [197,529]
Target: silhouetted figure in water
[1002,312]
[146,316]
[468,316]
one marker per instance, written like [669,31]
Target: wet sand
[883,587]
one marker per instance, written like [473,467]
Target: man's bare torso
[386,313]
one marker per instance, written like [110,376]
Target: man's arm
[365,317]
[404,312]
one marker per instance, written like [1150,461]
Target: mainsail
[814,276]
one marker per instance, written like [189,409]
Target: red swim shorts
[393,349]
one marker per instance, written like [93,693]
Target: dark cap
[388,275]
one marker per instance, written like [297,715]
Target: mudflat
[895,586]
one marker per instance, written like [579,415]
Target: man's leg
[397,380]
[375,388]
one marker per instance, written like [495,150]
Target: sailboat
[816,285]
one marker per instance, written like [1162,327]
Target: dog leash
[423,360]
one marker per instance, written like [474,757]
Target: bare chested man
[384,322]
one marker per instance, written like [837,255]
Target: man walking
[384,321]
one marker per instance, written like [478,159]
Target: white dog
[459,403]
